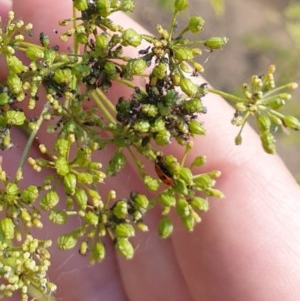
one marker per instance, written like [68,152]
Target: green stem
[173,24]
[125,82]
[75,45]
[140,166]
[31,139]
[228,96]
[276,90]
[100,98]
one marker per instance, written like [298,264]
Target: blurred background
[260,33]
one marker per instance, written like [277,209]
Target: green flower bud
[29,194]
[183,208]
[186,175]
[82,38]
[183,54]
[214,174]
[66,242]
[136,66]
[141,226]
[101,42]
[196,24]
[11,189]
[159,71]
[151,183]
[214,43]
[86,178]
[81,5]
[198,67]
[199,161]
[238,139]
[58,217]
[163,137]
[104,8]
[167,199]
[131,38]
[214,192]
[193,105]
[181,5]
[92,218]
[268,142]
[26,216]
[142,126]
[196,127]
[62,166]
[165,227]
[70,182]
[4,98]
[7,229]
[150,110]
[15,117]
[34,53]
[189,222]
[15,65]
[49,201]
[198,203]
[62,147]
[63,76]
[124,230]
[276,103]
[188,87]
[110,69]
[204,181]
[158,125]
[175,77]
[116,164]
[96,198]
[83,249]
[291,122]
[125,248]
[127,5]
[81,198]
[140,202]
[182,126]
[97,253]
[115,4]
[14,83]
[263,123]
[120,209]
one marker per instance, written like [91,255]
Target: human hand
[247,247]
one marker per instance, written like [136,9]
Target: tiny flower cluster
[264,100]
[23,267]
[87,125]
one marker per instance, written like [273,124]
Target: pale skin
[247,246]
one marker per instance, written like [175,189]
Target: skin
[247,246]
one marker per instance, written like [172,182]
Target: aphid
[162,171]
[144,51]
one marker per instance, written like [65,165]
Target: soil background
[229,68]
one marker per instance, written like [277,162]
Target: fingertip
[44,15]
[5,6]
